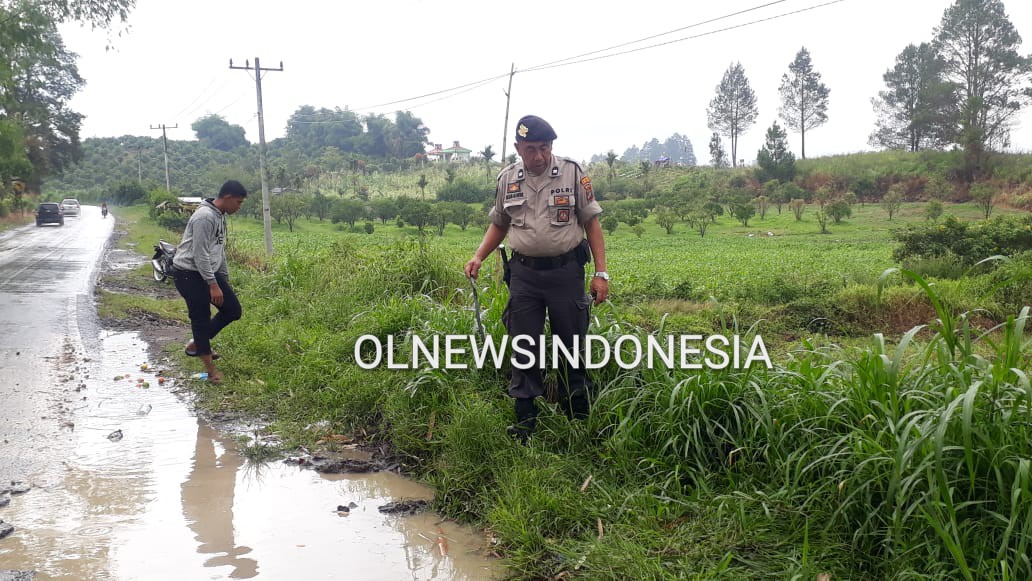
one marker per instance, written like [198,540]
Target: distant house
[435,154]
[455,153]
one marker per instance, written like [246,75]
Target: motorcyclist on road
[103,209]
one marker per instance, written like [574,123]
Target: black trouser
[560,292]
[198,303]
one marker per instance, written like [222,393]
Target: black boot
[526,419]
[576,408]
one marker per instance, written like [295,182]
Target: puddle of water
[172,499]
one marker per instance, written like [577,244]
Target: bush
[466,191]
[173,221]
[968,242]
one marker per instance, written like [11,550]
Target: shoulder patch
[586,184]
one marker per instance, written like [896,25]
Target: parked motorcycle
[162,260]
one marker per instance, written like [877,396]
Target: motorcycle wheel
[159,272]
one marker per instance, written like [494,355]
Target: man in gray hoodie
[202,274]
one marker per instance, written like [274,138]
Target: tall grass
[907,456]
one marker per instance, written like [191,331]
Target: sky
[170,66]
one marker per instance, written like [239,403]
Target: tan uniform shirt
[545,214]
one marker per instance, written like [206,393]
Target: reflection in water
[174,500]
[208,494]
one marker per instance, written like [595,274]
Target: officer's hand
[599,289]
[473,267]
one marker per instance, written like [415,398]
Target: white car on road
[70,207]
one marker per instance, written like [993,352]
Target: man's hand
[599,289]
[216,294]
[473,267]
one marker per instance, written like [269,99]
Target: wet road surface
[171,498]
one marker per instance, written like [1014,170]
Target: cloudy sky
[172,65]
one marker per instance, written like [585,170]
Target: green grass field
[867,451]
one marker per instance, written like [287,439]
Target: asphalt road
[46,277]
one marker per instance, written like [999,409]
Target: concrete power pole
[262,161]
[164,143]
[505,134]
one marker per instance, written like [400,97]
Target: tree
[797,205]
[96,13]
[38,78]
[215,132]
[933,210]
[378,139]
[610,160]
[718,157]
[979,46]
[610,224]
[422,183]
[288,208]
[409,135]
[488,154]
[774,159]
[417,213]
[983,195]
[804,98]
[762,204]
[384,209]
[645,166]
[918,108]
[321,206]
[311,129]
[743,212]
[733,110]
[838,209]
[348,210]
[893,200]
[666,219]
[822,218]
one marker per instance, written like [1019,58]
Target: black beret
[534,128]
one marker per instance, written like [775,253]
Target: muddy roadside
[164,336]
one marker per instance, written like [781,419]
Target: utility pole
[164,143]
[262,162]
[508,92]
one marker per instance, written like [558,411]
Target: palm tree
[487,154]
[610,160]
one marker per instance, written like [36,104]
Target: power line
[554,63]
[563,64]
[572,60]
[697,24]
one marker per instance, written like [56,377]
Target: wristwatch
[602,274]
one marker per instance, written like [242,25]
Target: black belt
[545,262]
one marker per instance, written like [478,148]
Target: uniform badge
[514,187]
[562,215]
[523,130]
[586,183]
[555,171]
[562,200]
[519,175]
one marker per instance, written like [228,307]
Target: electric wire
[458,90]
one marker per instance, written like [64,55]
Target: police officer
[545,204]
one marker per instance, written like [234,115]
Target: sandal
[214,355]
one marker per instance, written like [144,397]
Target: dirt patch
[118,274]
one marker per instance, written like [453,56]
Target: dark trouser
[198,303]
[560,292]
